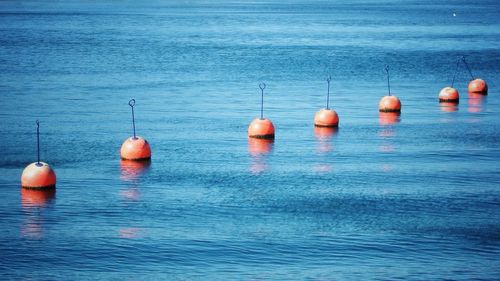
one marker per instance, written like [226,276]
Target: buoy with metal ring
[135,148]
[38,175]
[389,103]
[476,85]
[261,128]
[327,117]
[450,94]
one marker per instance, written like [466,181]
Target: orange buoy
[388,118]
[478,86]
[389,103]
[261,128]
[448,94]
[135,148]
[38,175]
[326,117]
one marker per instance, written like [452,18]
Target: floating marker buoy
[38,175]
[326,117]
[448,94]
[135,148]
[476,85]
[389,103]
[261,128]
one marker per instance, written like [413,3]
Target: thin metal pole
[38,142]
[388,83]
[328,79]
[468,68]
[455,74]
[262,86]
[132,103]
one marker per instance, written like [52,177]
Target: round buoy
[261,129]
[389,104]
[135,148]
[448,94]
[388,118]
[478,86]
[326,118]
[38,175]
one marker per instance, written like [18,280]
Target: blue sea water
[412,198]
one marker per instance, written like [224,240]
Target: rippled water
[414,197]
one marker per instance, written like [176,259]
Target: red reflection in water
[131,194]
[388,118]
[31,201]
[324,135]
[129,233]
[476,102]
[323,168]
[36,198]
[132,170]
[258,149]
[448,106]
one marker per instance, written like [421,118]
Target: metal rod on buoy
[328,79]
[262,86]
[132,103]
[38,143]
[388,83]
[455,74]
[468,68]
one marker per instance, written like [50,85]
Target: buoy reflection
[448,106]
[133,170]
[31,202]
[389,118]
[324,136]
[36,198]
[258,150]
[476,102]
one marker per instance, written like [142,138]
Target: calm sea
[410,198]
